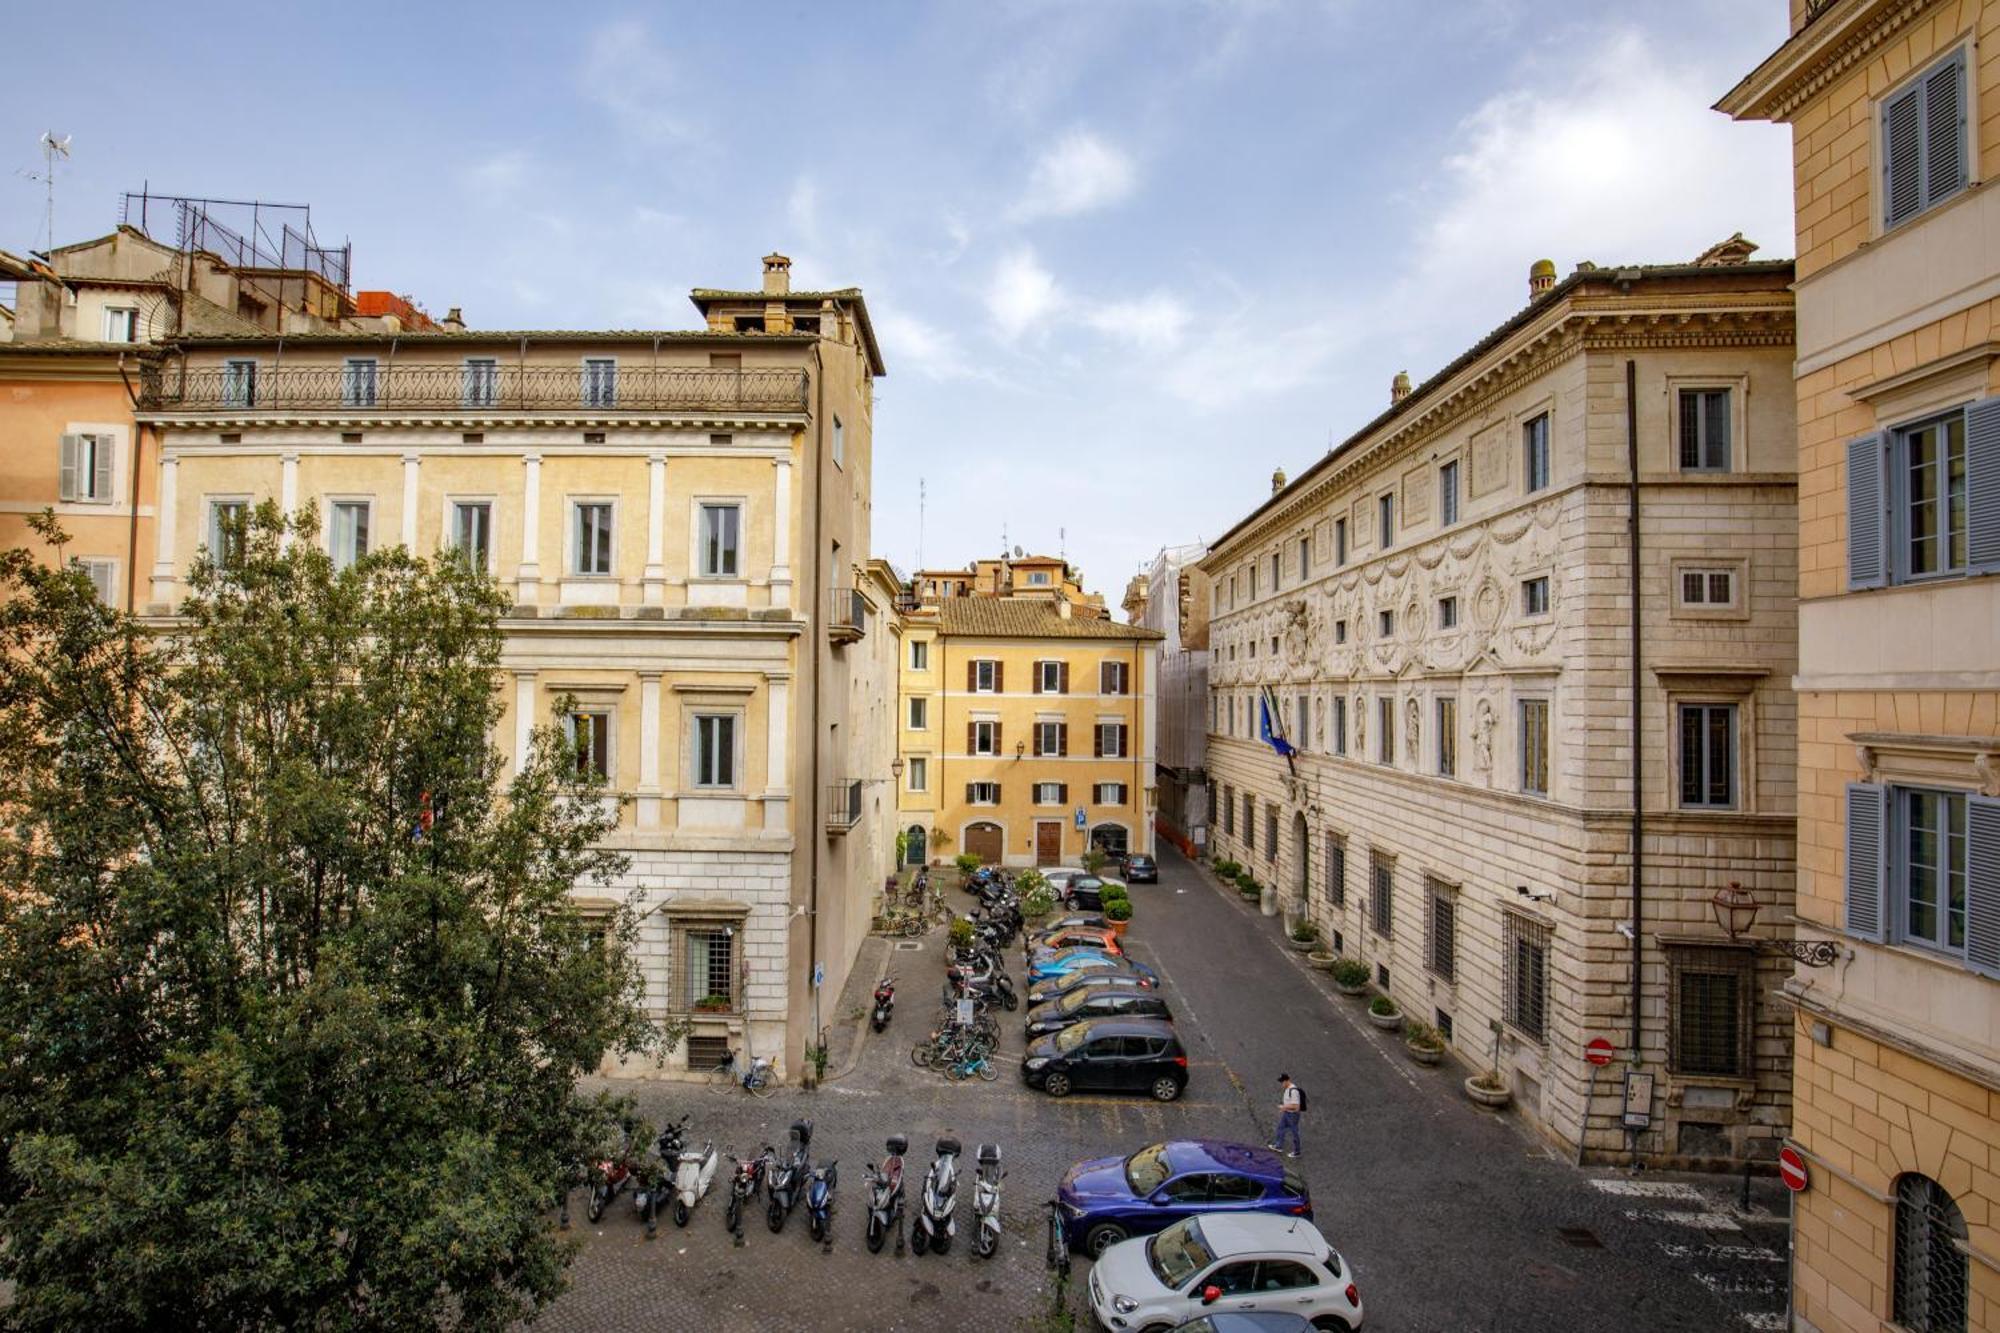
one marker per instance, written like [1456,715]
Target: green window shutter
[1867,858]
[1902,154]
[1944,129]
[1982,885]
[72,446]
[1867,514]
[1982,484]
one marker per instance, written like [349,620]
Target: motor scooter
[694,1172]
[609,1178]
[934,1226]
[789,1175]
[986,1202]
[819,1199]
[885,1196]
[746,1181]
[885,1002]
[654,1177]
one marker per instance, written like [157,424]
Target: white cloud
[1246,359]
[1078,174]
[1021,294]
[630,75]
[802,209]
[499,174]
[1153,323]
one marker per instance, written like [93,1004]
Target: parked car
[1088,920]
[1082,1005]
[1125,977]
[1246,1321]
[1109,1055]
[1060,876]
[1139,868]
[1222,1264]
[1108,1199]
[1054,963]
[1085,893]
[1080,937]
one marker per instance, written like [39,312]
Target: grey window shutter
[1982,885]
[1902,151]
[100,458]
[1944,130]
[1867,514]
[1982,484]
[72,445]
[1867,858]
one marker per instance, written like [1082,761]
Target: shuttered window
[1709,1010]
[1923,500]
[1923,150]
[1114,678]
[1923,868]
[1525,964]
[1110,740]
[86,469]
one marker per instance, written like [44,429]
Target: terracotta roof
[1011,618]
[703,297]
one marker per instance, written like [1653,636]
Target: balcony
[843,807]
[478,388]
[846,615]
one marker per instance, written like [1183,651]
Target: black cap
[1284,1078]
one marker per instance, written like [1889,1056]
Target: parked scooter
[745,1183]
[986,1202]
[789,1175]
[694,1172]
[655,1176]
[819,1199]
[935,1226]
[885,1002]
[609,1178]
[885,1196]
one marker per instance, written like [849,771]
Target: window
[1038,578]
[1924,500]
[103,576]
[1707,588]
[589,734]
[1385,624]
[1229,810]
[715,749]
[920,717]
[592,555]
[1274,645]
[721,538]
[1302,731]
[472,533]
[1710,1011]
[1305,558]
[1386,519]
[1535,746]
[1111,740]
[479,381]
[357,382]
[1211,794]
[1051,738]
[1381,893]
[228,526]
[1108,793]
[1923,148]
[87,463]
[1931,471]
[1447,613]
[1048,678]
[1336,869]
[1250,821]
[918,773]
[1276,580]
[1448,494]
[1338,723]
[347,531]
[1934,841]
[239,383]
[1704,430]
[600,381]
[1385,730]
[1919,866]
[985,674]
[1050,793]
[1253,580]
[1447,737]
[920,655]
[839,443]
[1525,980]
[121,324]
[1708,756]
[983,737]
[1340,631]
[1933,1272]
[1441,930]
[982,793]
[1535,454]
[1340,541]
[1270,833]
[710,952]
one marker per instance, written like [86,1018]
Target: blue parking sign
[1079,816]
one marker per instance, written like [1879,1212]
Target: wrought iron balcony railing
[843,806]
[475,385]
[847,614]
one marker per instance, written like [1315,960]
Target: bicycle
[1058,1255]
[974,1061]
[755,1080]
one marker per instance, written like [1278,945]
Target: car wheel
[1102,1237]
[1331,1323]
[1165,1089]
[1056,1085]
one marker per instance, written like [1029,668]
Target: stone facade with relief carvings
[1461,699]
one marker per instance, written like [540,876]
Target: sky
[1125,257]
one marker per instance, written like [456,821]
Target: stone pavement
[1455,1219]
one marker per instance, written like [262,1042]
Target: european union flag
[1271,736]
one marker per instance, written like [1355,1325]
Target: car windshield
[1070,1038]
[1178,1253]
[1075,999]
[1146,1169]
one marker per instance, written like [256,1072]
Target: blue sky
[1125,256]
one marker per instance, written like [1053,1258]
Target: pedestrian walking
[1291,1105]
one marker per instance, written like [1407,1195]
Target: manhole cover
[1583,1238]
[908,946]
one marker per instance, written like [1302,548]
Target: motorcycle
[789,1175]
[819,1199]
[655,1176]
[986,1202]
[694,1172]
[982,978]
[745,1183]
[885,1196]
[609,1179]
[885,1002]
[935,1225]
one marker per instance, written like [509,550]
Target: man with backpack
[1291,1105]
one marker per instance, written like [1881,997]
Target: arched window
[1931,1266]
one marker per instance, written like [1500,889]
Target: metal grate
[1336,869]
[1931,1269]
[1441,931]
[707,1052]
[1583,1238]
[1525,961]
[1711,1019]
[1382,893]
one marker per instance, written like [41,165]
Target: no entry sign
[1598,1052]
[1792,1168]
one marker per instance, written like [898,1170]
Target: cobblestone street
[1453,1218]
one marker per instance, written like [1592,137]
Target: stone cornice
[1832,43]
[241,421]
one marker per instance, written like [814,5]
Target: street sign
[1792,1169]
[1598,1052]
[965,1013]
[819,975]
[1638,1099]
[1079,816]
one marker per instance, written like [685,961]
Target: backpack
[1302,1097]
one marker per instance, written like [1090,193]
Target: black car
[1088,1002]
[1138,869]
[1109,1055]
[1124,978]
[1085,894]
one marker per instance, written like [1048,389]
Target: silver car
[1223,1264]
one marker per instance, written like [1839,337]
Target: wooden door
[984,841]
[1048,842]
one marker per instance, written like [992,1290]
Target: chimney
[1399,388]
[1541,277]
[1063,607]
[453,321]
[778,275]
[1277,481]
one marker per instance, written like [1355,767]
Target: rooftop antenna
[1062,544]
[920,522]
[53,146]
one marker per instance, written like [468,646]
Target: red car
[1081,937]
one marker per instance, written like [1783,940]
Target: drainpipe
[132,495]
[814,833]
[1638,761]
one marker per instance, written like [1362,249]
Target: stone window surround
[694,564]
[705,917]
[1739,567]
[1739,422]
[1910,759]
[448,523]
[603,701]
[1712,683]
[1681,952]
[365,499]
[572,546]
[710,700]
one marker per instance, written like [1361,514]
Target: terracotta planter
[1387,1022]
[1323,961]
[1424,1055]
[1489,1097]
[1116,927]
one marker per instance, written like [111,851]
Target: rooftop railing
[472,386]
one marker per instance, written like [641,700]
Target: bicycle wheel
[955,1072]
[761,1084]
[922,1054]
[988,1071]
[721,1077]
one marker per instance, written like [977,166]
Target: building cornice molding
[238,422]
[1812,59]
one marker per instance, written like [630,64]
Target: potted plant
[1488,1089]
[1350,976]
[1038,902]
[1094,859]
[1384,1013]
[1227,869]
[1246,883]
[966,863]
[1424,1043]
[1323,959]
[1118,914]
[712,1004]
[1304,935]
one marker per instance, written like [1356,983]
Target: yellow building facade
[1026,732]
[1894,107]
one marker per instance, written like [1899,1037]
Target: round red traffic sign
[1792,1168]
[1598,1052]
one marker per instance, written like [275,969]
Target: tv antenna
[920,523]
[54,146]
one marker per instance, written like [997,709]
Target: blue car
[1062,962]
[1108,1199]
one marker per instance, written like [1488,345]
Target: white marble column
[649,750]
[411,466]
[524,717]
[163,552]
[781,535]
[656,530]
[288,491]
[777,752]
[529,577]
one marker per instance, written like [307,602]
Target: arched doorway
[1302,860]
[913,845]
[1111,839]
[985,841]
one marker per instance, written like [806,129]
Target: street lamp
[1020,748]
[896,767]
[1735,911]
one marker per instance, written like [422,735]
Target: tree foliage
[293,994]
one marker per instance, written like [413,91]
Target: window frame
[220,552]
[700,747]
[1520,985]
[1305,558]
[1706,461]
[1340,541]
[1047,793]
[1048,739]
[1535,461]
[575,540]
[986,733]
[1540,588]
[1448,611]
[360,381]
[92,565]
[917,714]
[1942,1240]
[1696,711]
[596,387]
[1899,526]
[1385,520]
[84,470]
[920,654]
[1441,929]
[1717,959]
[839,444]
[128,316]
[985,675]
[453,504]
[1336,869]
[1120,794]
[977,792]
[1104,750]
[1444,722]
[1900,831]
[916,772]
[1385,729]
[1382,893]
[1448,489]
[479,381]
[604,735]
[1048,676]
[335,506]
[239,382]
[706,511]
[1337,724]
[1536,758]
[682,931]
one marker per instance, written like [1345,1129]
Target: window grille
[710,952]
[1932,1280]
[1270,834]
[707,1052]
[1336,869]
[1381,893]
[1525,962]
[1441,930]
[1704,430]
[1228,810]
[1711,1031]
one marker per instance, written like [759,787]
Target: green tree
[293,996]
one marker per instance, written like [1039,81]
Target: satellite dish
[1017,553]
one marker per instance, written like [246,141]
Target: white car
[1060,876]
[1222,1263]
